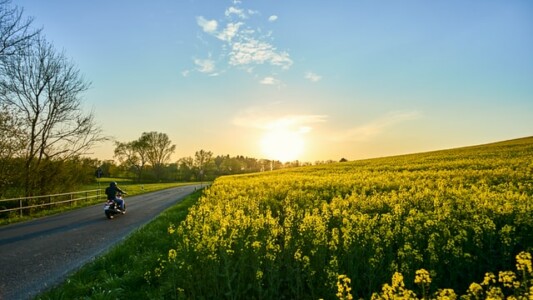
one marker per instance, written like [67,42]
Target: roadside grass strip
[120,273]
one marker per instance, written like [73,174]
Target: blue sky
[307,80]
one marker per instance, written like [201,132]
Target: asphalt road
[38,254]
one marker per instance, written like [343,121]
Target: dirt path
[38,254]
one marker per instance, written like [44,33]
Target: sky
[300,80]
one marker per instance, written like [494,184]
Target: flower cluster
[506,286]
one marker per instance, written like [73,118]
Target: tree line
[148,159]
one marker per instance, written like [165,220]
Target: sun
[282,144]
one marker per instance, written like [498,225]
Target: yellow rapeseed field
[441,225]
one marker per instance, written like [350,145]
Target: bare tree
[159,148]
[44,88]
[16,33]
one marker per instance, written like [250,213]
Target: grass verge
[131,188]
[120,273]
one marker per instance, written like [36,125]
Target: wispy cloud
[312,77]
[262,118]
[229,32]
[298,123]
[375,127]
[269,80]
[209,26]
[244,46]
[205,65]
[251,51]
[232,10]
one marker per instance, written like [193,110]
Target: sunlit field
[440,225]
[434,223]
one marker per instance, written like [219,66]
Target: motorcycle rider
[111,191]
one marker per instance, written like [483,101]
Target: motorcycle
[112,208]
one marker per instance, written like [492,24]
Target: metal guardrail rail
[25,203]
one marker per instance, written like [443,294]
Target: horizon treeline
[147,159]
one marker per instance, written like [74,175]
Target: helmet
[113,184]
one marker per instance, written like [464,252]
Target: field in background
[436,223]
[133,188]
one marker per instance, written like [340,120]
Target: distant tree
[186,168]
[219,160]
[108,168]
[130,157]
[141,148]
[171,171]
[43,89]
[343,160]
[202,159]
[233,165]
[158,148]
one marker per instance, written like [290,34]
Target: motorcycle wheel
[108,215]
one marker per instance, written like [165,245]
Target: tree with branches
[153,148]
[16,33]
[132,155]
[158,148]
[43,88]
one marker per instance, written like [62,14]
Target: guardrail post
[20,207]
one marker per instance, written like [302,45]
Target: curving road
[38,254]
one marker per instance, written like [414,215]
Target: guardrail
[28,203]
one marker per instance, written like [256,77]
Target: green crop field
[439,225]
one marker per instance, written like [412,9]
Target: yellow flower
[422,277]
[172,253]
[523,262]
[475,289]
[507,278]
[259,275]
[343,287]
[256,245]
[446,294]
[171,229]
[489,279]
[495,293]
[397,280]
